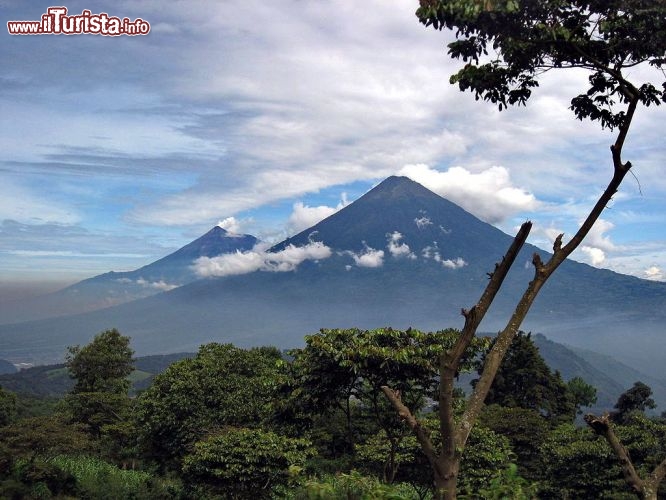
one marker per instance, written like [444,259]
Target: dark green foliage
[508,484]
[526,431]
[582,393]
[97,479]
[7,407]
[506,45]
[344,370]
[580,464]
[244,463]
[353,486]
[99,399]
[634,400]
[45,474]
[221,386]
[524,380]
[486,454]
[103,365]
[45,436]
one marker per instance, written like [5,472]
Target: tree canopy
[508,44]
[221,386]
[102,365]
[524,380]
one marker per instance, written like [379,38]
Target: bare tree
[529,38]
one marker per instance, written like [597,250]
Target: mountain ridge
[113,288]
[440,269]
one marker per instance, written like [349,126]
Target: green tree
[580,464]
[524,380]
[636,399]
[103,365]
[526,430]
[99,399]
[244,463]
[630,407]
[221,386]
[582,393]
[45,437]
[345,370]
[505,45]
[487,453]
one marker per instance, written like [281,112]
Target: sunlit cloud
[489,194]
[259,259]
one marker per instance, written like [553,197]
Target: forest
[313,423]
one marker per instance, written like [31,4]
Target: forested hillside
[228,422]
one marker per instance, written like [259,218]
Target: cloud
[398,249]
[654,273]
[304,216]
[259,259]
[489,194]
[369,257]
[422,222]
[432,252]
[454,264]
[596,256]
[597,238]
[231,225]
[156,285]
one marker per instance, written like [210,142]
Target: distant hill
[609,376]
[113,288]
[624,374]
[609,381]
[401,256]
[54,381]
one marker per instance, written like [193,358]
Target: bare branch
[602,426]
[422,434]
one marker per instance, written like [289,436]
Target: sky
[265,117]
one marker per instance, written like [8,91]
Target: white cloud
[422,222]
[432,252]
[398,249]
[259,259]
[489,194]
[597,238]
[455,263]
[369,257]
[156,285]
[654,273]
[304,216]
[596,256]
[231,225]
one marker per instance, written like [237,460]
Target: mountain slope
[608,375]
[430,259]
[114,288]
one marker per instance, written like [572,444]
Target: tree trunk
[446,485]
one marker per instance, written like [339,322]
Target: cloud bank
[489,194]
[259,259]
[304,216]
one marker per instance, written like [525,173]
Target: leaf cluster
[222,385]
[507,44]
[245,463]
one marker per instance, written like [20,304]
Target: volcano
[398,256]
